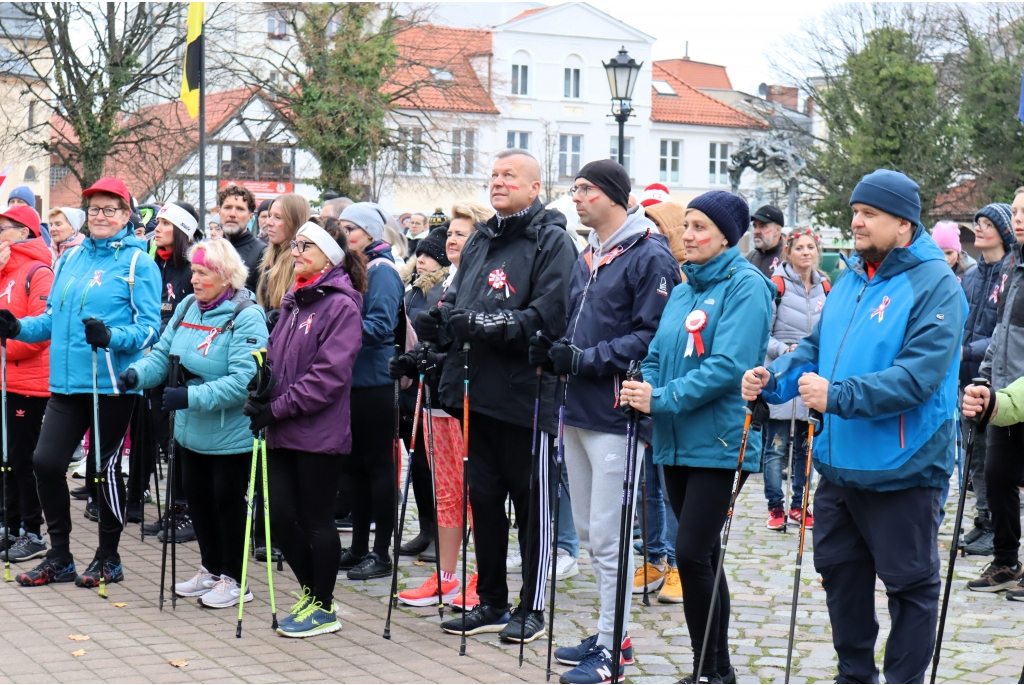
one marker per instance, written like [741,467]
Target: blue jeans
[567,538]
[662,525]
[776,454]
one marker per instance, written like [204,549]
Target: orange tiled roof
[697,74]
[526,13]
[690,106]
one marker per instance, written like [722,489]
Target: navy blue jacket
[615,307]
[981,286]
[380,316]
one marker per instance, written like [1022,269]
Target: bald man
[512,281]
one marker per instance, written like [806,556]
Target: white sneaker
[199,584]
[224,594]
[514,561]
[78,463]
[565,566]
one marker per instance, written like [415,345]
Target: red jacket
[28,365]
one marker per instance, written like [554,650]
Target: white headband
[322,239]
[180,218]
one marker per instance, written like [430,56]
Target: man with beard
[882,366]
[767,235]
[237,205]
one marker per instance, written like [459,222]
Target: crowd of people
[502,355]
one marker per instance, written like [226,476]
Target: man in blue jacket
[617,291]
[882,366]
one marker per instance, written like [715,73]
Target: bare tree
[549,158]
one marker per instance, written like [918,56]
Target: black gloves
[462,323]
[402,366]
[432,324]
[273,316]
[127,380]
[538,351]
[9,324]
[259,413]
[428,362]
[96,332]
[262,382]
[565,358]
[174,398]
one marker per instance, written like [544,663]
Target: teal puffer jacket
[696,406]
[213,422]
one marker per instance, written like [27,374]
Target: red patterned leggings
[448,475]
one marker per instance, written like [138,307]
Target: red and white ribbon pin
[205,345]
[498,280]
[695,323]
[880,312]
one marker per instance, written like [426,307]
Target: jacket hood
[636,223]
[377,250]
[124,238]
[725,265]
[922,248]
[34,249]
[424,282]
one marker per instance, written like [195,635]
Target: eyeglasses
[108,212]
[582,190]
[10,227]
[300,247]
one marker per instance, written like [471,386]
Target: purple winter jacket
[313,349]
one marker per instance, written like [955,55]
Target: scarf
[224,297]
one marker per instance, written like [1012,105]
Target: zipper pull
[295,313]
[862,292]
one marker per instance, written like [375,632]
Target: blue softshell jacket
[92,281]
[380,316]
[890,347]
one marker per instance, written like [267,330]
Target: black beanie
[434,245]
[729,212]
[610,177]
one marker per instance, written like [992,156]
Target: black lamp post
[622,73]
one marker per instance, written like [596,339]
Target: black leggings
[303,486]
[700,499]
[372,468]
[1004,469]
[64,424]
[218,485]
[24,421]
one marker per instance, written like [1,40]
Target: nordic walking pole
[266,532]
[974,425]
[559,455]
[96,442]
[643,524]
[813,421]
[525,534]
[6,467]
[250,493]
[748,424]
[789,468]
[465,488]
[429,425]
[173,379]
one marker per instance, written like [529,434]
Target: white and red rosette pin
[498,280]
[695,323]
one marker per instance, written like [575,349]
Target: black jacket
[176,286]
[767,260]
[250,249]
[981,286]
[518,271]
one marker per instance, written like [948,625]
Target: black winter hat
[434,245]
[1001,215]
[729,212]
[610,177]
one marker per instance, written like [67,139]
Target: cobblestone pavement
[136,642]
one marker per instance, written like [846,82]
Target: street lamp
[622,72]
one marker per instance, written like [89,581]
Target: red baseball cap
[26,216]
[111,186]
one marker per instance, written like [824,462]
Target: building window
[718,164]
[520,79]
[57,172]
[463,151]
[570,150]
[668,169]
[519,139]
[627,153]
[277,27]
[31,115]
[30,173]
[572,83]
[410,150]
[252,163]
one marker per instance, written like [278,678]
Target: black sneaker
[729,677]
[482,619]
[92,510]
[982,546]
[429,555]
[28,546]
[1016,593]
[80,493]
[996,578]
[110,568]
[515,632]
[133,514]
[349,560]
[344,525]
[373,566]
[183,524]
[261,554]
[703,679]
[153,527]
[51,570]
[417,545]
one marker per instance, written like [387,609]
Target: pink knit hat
[947,235]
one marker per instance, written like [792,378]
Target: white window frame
[463,150]
[718,160]
[569,159]
[277,27]
[571,86]
[670,160]
[520,79]
[520,137]
[410,152]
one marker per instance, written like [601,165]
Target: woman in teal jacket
[714,325]
[214,334]
[105,295]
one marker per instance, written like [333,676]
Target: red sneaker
[777,519]
[796,514]
[472,598]
[426,594]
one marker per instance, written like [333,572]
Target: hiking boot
[312,620]
[472,598]
[261,554]
[28,546]
[515,631]
[776,518]
[655,578]
[80,493]
[349,560]
[373,566]
[110,568]
[92,510]
[983,545]
[715,678]
[133,514]
[153,527]
[595,667]
[729,677]
[572,656]
[481,619]
[672,590]
[514,561]
[224,594]
[51,570]
[565,565]
[198,585]
[996,578]
[183,527]
[416,545]
[304,599]
[426,594]
[796,514]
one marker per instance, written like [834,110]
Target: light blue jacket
[696,407]
[213,422]
[91,280]
[889,347]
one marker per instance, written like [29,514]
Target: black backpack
[240,306]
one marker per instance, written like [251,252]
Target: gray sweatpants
[595,464]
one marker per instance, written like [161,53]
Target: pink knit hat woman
[947,236]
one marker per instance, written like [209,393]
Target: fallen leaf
[78,638]
[419,563]
[178,663]
[80,652]
[120,605]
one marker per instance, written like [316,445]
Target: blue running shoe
[304,599]
[572,656]
[595,667]
[313,620]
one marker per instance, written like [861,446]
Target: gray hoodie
[636,222]
[1004,359]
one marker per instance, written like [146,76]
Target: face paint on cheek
[206,284]
[704,242]
[594,199]
[511,187]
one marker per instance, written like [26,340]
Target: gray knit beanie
[367,216]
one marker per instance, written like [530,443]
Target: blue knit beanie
[729,212]
[367,216]
[891,192]
[25,194]
[1000,214]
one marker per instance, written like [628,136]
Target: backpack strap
[241,304]
[188,305]
[31,273]
[826,286]
[131,272]
[780,286]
